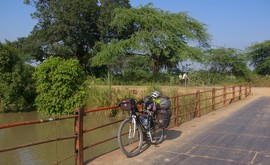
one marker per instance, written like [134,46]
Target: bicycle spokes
[130,138]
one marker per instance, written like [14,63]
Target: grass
[103,96]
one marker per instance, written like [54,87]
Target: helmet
[155,94]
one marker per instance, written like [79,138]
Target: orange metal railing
[185,107]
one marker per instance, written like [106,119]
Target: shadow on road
[172,134]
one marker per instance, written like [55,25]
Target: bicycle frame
[139,130]
[136,121]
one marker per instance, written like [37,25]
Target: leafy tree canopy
[65,28]
[161,35]
[70,28]
[227,60]
[16,85]
[106,8]
[260,57]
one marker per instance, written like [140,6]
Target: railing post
[198,113]
[213,98]
[224,96]
[246,90]
[176,122]
[240,92]
[79,136]
[233,89]
[249,89]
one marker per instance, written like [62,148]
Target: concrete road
[238,134]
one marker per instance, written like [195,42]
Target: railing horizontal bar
[218,89]
[92,145]
[35,121]
[188,113]
[36,143]
[91,129]
[205,107]
[100,109]
[219,102]
[205,99]
[207,91]
[219,95]
[192,103]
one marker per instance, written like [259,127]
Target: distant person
[185,78]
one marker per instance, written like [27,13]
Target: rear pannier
[165,103]
[164,113]
[163,118]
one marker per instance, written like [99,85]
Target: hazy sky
[232,23]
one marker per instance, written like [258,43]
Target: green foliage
[70,29]
[260,57]
[206,78]
[228,61]
[16,85]
[135,69]
[260,80]
[103,96]
[65,28]
[160,37]
[105,17]
[59,86]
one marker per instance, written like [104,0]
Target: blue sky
[232,23]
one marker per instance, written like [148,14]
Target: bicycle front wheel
[130,139]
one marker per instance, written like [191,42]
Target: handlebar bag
[127,104]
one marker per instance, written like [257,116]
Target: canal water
[50,153]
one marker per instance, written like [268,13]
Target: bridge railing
[185,107]
[192,105]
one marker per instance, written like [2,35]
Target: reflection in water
[25,157]
[52,152]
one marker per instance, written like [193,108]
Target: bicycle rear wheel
[158,134]
[130,142]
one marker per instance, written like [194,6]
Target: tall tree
[161,35]
[65,28]
[106,8]
[105,17]
[70,29]
[227,60]
[260,57]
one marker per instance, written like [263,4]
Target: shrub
[59,86]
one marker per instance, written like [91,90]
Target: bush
[59,86]
[260,81]
[17,91]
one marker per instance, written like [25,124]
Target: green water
[49,153]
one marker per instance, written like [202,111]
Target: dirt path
[183,132]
